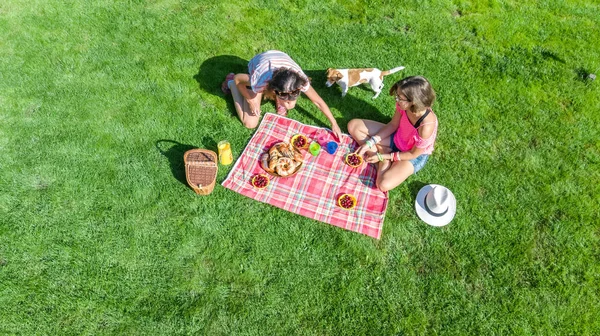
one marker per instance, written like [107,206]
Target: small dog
[352,77]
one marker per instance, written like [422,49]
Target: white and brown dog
[352,77]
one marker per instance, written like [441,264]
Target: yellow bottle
[225,155]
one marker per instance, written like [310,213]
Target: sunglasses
[290,95]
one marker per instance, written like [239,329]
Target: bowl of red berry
[353,160]
[260,181]
[346,201]
[299,141]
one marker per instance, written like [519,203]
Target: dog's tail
[391,71]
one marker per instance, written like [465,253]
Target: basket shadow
[174,154]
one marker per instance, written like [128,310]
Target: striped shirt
[261,69]
[408,136]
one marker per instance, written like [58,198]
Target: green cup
[314,148]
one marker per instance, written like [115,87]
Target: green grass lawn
[100,235]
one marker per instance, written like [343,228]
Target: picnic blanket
[313,191]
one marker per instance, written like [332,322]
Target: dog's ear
[337,75]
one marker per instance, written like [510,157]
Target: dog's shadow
[213,71]
[174,151]
[349,106]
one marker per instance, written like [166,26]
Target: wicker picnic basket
[201,170]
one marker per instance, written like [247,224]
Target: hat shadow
[414,187]
[174,151]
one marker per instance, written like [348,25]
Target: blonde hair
[417,90]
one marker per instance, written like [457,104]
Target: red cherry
[347,202]
[353,159]
[300,141]
[260,181]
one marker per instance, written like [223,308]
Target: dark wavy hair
[417,90]
[286,80]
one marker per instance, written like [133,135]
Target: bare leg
[392,174]
[344,88]
[243,108]
[362,129]
[389,174]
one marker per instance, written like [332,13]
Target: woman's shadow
[174,151]
[212,72]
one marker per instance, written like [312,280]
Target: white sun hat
[435,205]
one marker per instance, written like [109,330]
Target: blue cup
[332,146]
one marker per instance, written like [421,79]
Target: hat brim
[432,219]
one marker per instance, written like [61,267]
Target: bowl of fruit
[299,141]
[346,201]
[260,181]
[353,160]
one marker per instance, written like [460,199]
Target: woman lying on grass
[272,75]
[402,146]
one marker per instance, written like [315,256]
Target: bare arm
[390,128]
[383,133]
[242,81]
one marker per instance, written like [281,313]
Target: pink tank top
[407,136]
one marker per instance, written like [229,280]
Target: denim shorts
[418,162]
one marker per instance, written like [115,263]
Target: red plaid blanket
[313,191]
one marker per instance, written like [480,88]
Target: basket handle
[202,163]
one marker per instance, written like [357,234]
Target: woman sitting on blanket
[402,146]
[272,75]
